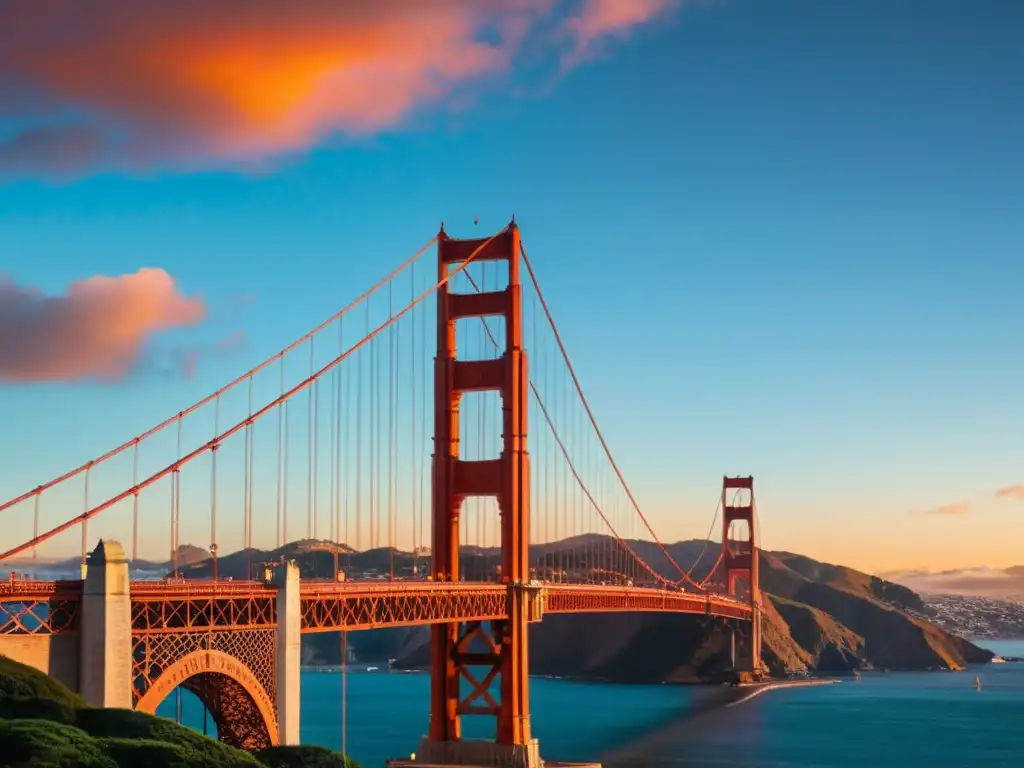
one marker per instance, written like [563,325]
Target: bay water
[933,719]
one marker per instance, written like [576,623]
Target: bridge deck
[327,606]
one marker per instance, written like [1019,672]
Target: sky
[779,237]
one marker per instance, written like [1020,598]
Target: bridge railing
[145,589]
[38,589]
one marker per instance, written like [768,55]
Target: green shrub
[161,754]
[42,744]
[195,749]
[144,752]
[31,708]
[28,693]
[304,757]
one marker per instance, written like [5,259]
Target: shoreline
[756,689]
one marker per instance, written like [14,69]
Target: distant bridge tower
[740,562]
[456,647]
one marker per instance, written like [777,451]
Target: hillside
[45,725]
[818,616]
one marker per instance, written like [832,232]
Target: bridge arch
[236,700]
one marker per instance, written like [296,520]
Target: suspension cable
[562,448]
[593,420]
[707,540]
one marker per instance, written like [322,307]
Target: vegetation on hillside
[45,725]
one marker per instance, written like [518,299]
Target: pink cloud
[194,82]
[98,330]
[1013,492]
[190,363]
[597,19]
[960,508]
[187,360]
[232,343]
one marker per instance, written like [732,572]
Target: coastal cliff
[847,619]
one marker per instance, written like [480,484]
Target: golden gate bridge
[410,421]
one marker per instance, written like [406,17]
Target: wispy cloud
[597,20]
[1013,493]
[187,360]
[195,82]
[960,508]
[98,330]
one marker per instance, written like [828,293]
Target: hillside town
[976,617]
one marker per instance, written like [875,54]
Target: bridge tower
[740,563]
[507,479]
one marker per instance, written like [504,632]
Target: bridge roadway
[164,606]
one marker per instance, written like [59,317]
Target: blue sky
[780,238]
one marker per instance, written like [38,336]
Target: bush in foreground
[191,748]
[45,725]
[304,757]
[28,693]
[43,744]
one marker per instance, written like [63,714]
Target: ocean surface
[933,719]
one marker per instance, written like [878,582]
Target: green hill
[45,725]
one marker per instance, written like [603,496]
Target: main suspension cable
[593,420]
[565,454]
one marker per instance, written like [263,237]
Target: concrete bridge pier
[106,629]
[289,651]
[745,648]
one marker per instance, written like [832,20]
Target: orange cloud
[194,81]
[1013,492]
[960,508]
[97,330]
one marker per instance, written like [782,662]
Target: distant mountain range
[997,583]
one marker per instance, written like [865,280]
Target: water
[937,719]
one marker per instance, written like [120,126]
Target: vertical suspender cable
[135,502]
[213,488]
[392,331]
[280,458]
[85,523]
[310,449]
